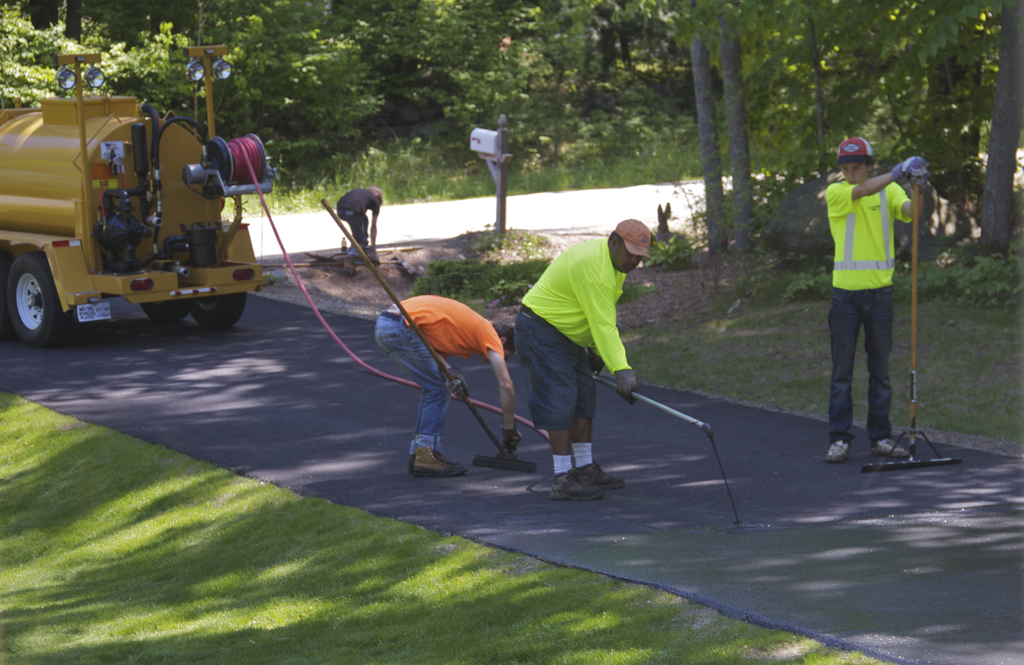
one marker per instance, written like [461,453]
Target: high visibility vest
[863,234]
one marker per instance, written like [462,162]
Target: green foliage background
[330,86]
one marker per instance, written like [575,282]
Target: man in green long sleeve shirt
[569,311]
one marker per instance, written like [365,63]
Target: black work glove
[457,386]
[625,384]
[596,362]
[510,438]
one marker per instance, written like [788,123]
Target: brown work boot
[567,487]
[428,463]
[591,475]
[348,266]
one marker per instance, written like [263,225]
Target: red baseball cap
[855,149]
[636,235]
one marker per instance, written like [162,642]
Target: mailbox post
[492,147]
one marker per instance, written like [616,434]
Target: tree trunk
[997,201]
[558,116]
[73,20]
[707,124]
[819,101]
[43,13]
[739,143]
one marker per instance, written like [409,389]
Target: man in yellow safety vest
[861,212]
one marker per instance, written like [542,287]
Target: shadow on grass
[126,552]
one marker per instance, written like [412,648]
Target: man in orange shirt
[453,329]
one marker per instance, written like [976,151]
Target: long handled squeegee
[913,434]
[693,421]
[504,460]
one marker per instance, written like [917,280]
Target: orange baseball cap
[636,236]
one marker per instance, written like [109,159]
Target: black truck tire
[168,311]
[6,327]
[217,311]
[35,309]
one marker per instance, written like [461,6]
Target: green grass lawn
[113,550]
[970,362]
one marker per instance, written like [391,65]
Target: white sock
[582,453]
[563,463]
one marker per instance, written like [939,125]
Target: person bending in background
[352,209]
[452,329]
[568,311]
[861,211]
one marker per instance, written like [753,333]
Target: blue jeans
[409,353]
[849,311]
[556,373]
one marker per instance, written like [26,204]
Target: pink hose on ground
[244,150]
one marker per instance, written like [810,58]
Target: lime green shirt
[863,233]
[577,295]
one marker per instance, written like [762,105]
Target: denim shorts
[556,373]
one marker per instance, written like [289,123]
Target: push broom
[504,460]
[913,434]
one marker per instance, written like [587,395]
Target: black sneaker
[567,487]
[591,475]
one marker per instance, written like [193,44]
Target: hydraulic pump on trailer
[92,207]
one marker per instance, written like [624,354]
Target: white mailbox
[484,142]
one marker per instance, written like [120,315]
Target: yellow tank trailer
[140,217]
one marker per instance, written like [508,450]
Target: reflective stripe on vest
[848,263]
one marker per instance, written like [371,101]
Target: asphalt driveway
[921,565]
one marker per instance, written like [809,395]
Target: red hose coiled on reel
[248,160]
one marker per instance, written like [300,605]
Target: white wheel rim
[29,299]
[206,304]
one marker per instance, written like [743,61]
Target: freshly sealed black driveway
[920,565]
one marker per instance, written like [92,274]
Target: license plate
[97,312]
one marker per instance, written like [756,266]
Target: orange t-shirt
[453,329]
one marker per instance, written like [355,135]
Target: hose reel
[223,171]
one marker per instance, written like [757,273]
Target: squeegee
[693,421]
[913,434]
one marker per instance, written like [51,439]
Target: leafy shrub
[508,283]
[467,280]
[503,293]
[673,254]
[631,292]
[514,246]
[809,285]
[984,281]
[464,279]
[992,280]
[934,282]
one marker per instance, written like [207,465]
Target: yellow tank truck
[101,197]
